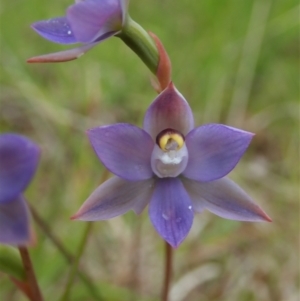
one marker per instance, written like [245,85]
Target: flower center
[170,139]
[170,156]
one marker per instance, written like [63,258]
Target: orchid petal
[169,110]
[124,149]
[14,222]
[92,19]
[18,162]
[214,150]
[170,211]
[62,56]
[115,197]
[226,199]
[169,164]
[56,30]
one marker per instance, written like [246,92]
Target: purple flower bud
[88,22]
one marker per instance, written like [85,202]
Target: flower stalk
[30,275]
[65,253]
[140,42]
[168,271]
[74,268]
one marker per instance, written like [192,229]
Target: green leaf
[11,264]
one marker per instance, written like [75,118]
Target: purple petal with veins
[169,110]
[18,162]
[225,198]
[214,150]
[92,19]
[56,30]
[14,222]
[124,149]
[170,210]
[115,197]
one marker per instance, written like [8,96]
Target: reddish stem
[164,68]
[168,271]
[30,275]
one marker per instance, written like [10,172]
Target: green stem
[30,275]
[139,41]
[66,254]
[168,272]
[43,226]
[73,272]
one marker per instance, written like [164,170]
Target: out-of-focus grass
[237,63]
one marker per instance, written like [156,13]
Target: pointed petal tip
[89,131]
[31,60]
[171,85]
[251,134]
[263,216]
[35,26]
[234,129]
[266,217]
[174,244]
[74,217]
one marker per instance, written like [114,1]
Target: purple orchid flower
[18,162]
[87,21]
[175,168]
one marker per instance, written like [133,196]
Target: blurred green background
[236,62]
